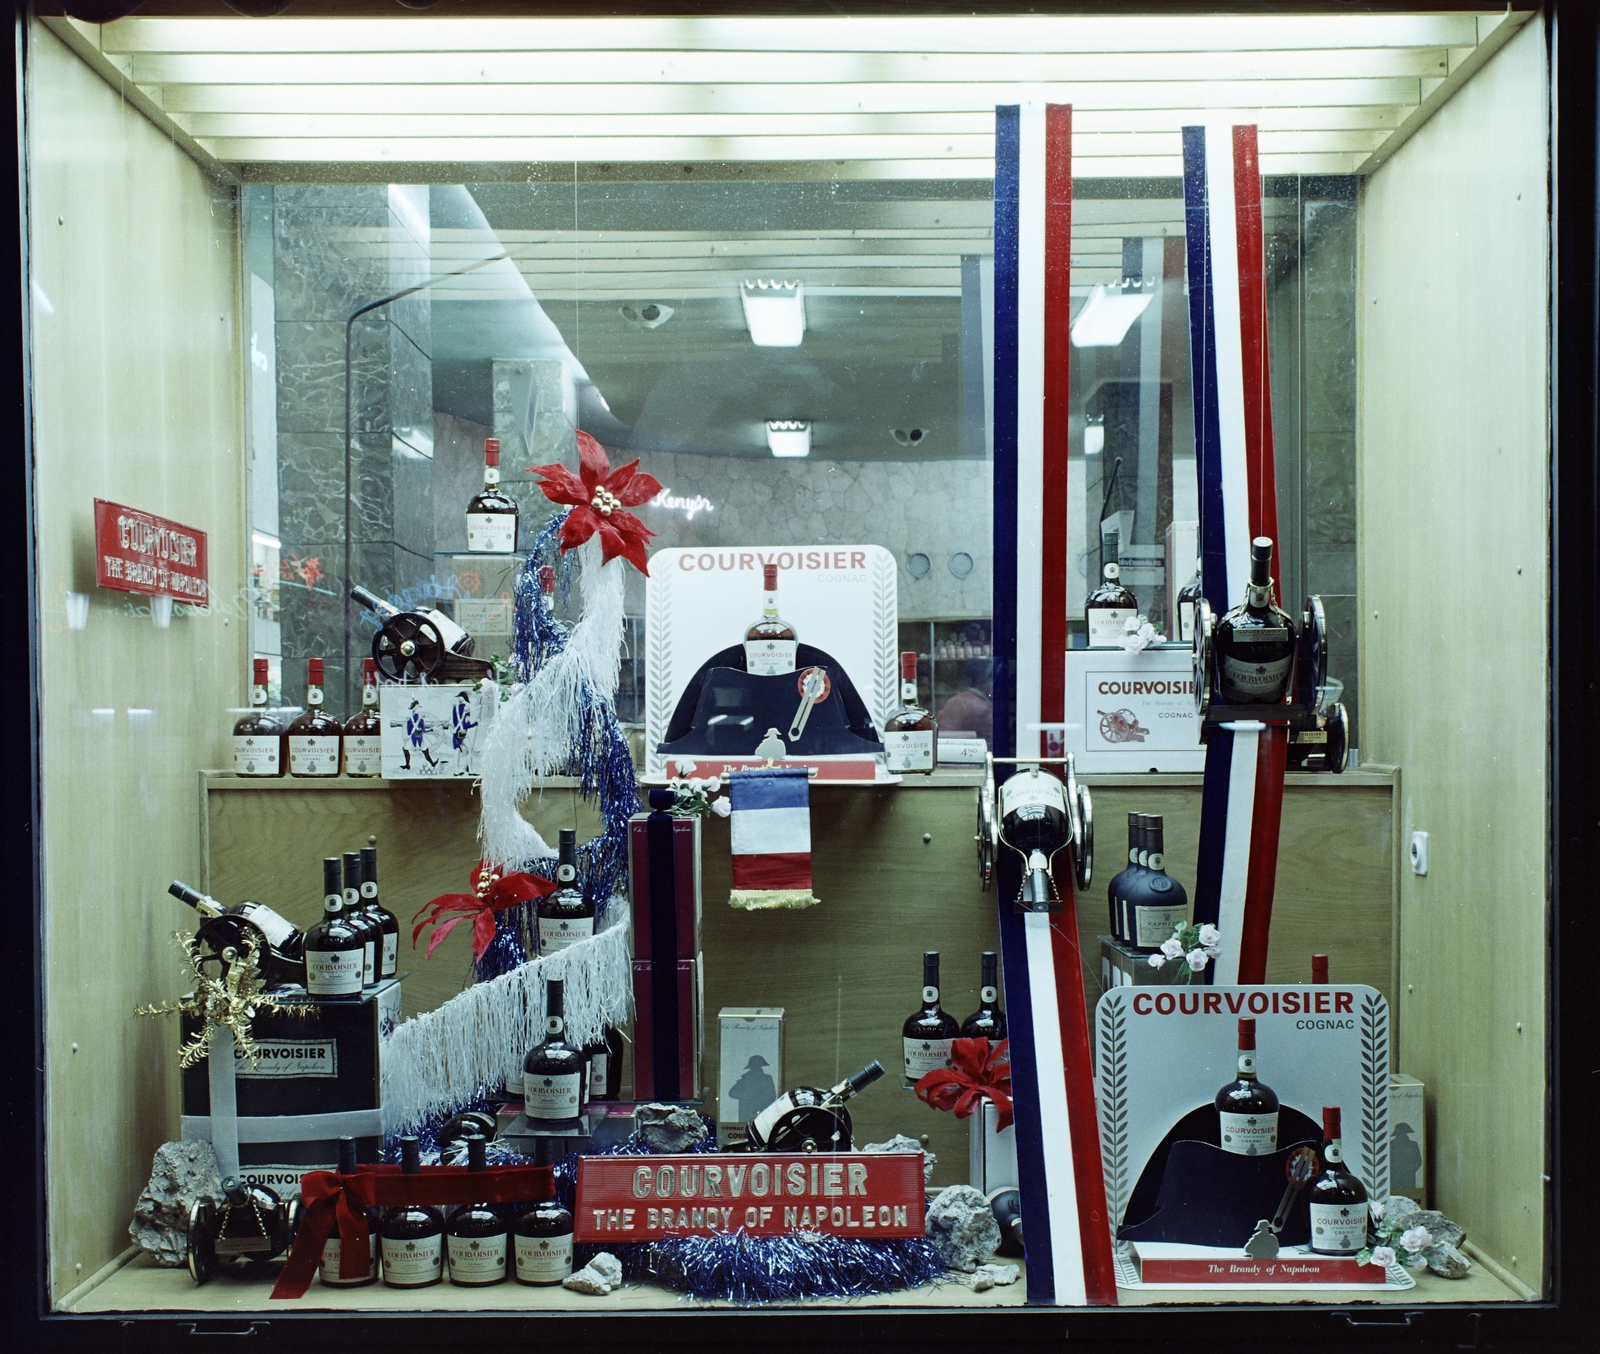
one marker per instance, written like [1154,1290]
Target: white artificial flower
[1198,959]
[1382,1256]
[1209,935]
[684,766]
[1171,948]
[721,807]
[1131,625]
[1156,960]
[1213,950]
[1416,1239]
[1377,1210]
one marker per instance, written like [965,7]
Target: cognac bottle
[1247,1108]
[604,1070]
[543,1243]
[492,514]
[909,735]
[356,915]
[988,1021]
[1190,593]
[1110,606]
[553,1072]
[412,1234]
[388,923]
[258,737]
[565,917]
[766,1132]
[1338,1200]
[335,949]
[926,1035]
[279,947]
[363,731]
[314,737]
[328,1271]
[770,644]
[1155,903]
[1255,642]
[1121,882]
[477,1236]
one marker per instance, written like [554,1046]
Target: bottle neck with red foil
[1247,1050]
[908,678]
[1332,1147]
[314,683]
[258,687]
[491,464]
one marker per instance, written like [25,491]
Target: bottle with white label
[604,1074]
[332,1248]
[805,1119]
[315,736]
[927,1033]
[1247,1107]
[477,1236]
[356,915]
[388,923]
[335,949]
[1255,641]
[543,1241]
[553,1072]
[363,731]
[988,1021]
[910,734]
[1190,593]
[492,514]
[279,947]
[1338,1200]
[1155,903]
[1110,606]
[258,746]
[413,1234]
[1122,881]
[770,644]
[565,917]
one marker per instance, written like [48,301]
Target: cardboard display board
[1133,711]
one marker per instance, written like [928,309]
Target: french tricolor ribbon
[770,825]
[1058,1137]
[1242,796]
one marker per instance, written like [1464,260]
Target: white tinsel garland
[441,1059]
[536,732]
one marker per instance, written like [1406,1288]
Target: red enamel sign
[139,552]
[642,1198]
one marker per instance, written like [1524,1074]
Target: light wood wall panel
[1454,584]
[136,390]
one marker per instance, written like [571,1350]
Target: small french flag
[771,828]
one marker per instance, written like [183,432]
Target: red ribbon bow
[495,895]
[979,1072]
[598,494]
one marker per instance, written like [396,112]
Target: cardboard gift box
[1123,966]
[749,1066]
[991,1151]
[682,923]
[666,1058]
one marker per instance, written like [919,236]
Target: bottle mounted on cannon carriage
[1255,641]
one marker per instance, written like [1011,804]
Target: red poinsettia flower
[494,894]
[598,494]
[979,1073]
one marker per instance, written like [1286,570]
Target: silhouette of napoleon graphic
[754,1090]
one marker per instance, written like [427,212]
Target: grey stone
[1447,1261]
[598,1277]
[986,1277]
[181,1173]
[962,1228]
[669,1128]
[901,1143]
[1397,1206]
[1440,1228]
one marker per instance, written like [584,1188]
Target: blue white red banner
[1058,1144]
[1242,799]
[770,826]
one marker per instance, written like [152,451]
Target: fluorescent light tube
[774,312]
[789,437]
[1106,318]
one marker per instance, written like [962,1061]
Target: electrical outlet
[1419,853]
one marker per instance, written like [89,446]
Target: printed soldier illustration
[461,724]
[417,731]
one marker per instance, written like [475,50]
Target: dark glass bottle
[770,644]
[1117,889]
[328,1271]
[910,734]
[1246,1106]
[492,513]
[356,915]
[1110,605]
[1255,641]
[388,923]
[315,736]
[553,1072]
[1156,903]
[279,947]
[251,1226]
[259,748]
[363,731]
[1338,1200]
[988,1021]
[805,1119]
[926,1035]
[565,917]
[604,1067]
[543,1241]
[477,1235]
[1190,593]
[412,1234]
[335,949]
[1319,970]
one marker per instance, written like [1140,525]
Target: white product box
[991,1153]
[1133,711]
[433,731]
[1408,1138]
[750,1066]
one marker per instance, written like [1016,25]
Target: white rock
[181,1173]
[962,1228]
[598,1277]
[986,1277]
[669,1128]
[901,1143]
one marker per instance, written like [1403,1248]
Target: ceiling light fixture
[1106,318]
[774,312]
[789,437]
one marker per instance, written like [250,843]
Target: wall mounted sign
[137,551]
[877,1195]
